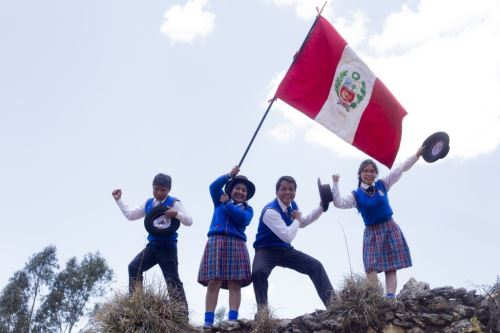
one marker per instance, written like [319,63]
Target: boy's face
[160,192]
[286,192]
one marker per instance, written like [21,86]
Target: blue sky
[99,95]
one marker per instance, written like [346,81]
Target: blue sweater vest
[165,241]
[373,208]
[265,237]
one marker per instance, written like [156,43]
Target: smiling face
[239,193]
[286,192]
[368,174]
[160,192]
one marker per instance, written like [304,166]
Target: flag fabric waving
[329,83]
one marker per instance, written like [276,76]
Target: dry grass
[361,305]
[265,322]
[148,310]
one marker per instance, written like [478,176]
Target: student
[225,262]
[278,225]
[384,246]
[161,250]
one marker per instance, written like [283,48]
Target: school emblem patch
[350,89]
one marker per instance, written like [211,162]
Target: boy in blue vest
[161,250]
[278,225]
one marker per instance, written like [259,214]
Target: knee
[132,269]
[233,286]
[315,266]
[260,275]
[214,285]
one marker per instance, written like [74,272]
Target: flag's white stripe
[333,115]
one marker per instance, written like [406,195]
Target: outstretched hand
[420,151]
[234,171]
[117,194]
[171,213]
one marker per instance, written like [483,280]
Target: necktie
[370,190]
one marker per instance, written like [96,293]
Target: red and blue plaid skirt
[225,259]
[385,248]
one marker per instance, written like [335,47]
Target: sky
[98,95]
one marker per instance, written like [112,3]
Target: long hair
[363,165]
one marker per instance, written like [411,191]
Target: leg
[306,264]
[167,259]
[212,295]
[391,283]
[141,263]
[372,278]
[234,299]
[263,264]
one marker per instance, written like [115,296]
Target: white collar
[282,205]
[366,186]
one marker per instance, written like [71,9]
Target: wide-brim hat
[240,179]
[157,224]
[325,193]
[436,147]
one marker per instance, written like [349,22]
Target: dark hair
[162,180]
[363,165]
[285,179]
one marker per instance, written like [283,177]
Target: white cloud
[187,22]
[306,9]
[442,63]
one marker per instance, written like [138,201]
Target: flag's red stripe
[379,130]
[307,83]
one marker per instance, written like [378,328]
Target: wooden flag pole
[274,98]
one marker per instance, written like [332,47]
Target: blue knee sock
[209,318]
[390,296]
[233,315]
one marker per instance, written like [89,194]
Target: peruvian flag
[330,83]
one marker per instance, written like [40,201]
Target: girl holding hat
[225,262]
[384,246]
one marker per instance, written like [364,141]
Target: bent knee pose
[161,249]
[225,262]
[278,225]
[384,246]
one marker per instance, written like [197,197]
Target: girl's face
[368,174]
[239,193]
[286,192]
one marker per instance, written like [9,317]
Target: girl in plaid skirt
[225,262]
[384,246]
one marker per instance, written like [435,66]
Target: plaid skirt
[225,259]
[385,248]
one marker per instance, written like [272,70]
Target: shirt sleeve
[313,216]
[342,202]
[273,221]
[182,215]
[216,188]
[131,214]
[395,174]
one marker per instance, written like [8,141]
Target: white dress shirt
[140,212]
[350,202]
[273,220]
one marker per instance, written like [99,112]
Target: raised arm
[130,214]
[313,216]
[396,173]
[272,219]
[216,187]
[339,201]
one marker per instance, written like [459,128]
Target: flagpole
[274,98]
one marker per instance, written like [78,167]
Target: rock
[393,329]
[432,319]
[462,326]
[439,304]
[463,310]
[415,330]
[413,289]
[402,323]
[446,292]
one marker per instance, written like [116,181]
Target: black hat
[157,224]
[436,146]
[325,193]
[240,179]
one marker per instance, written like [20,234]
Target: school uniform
[276,231]
[161,250]
[384,245]
[225,257]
